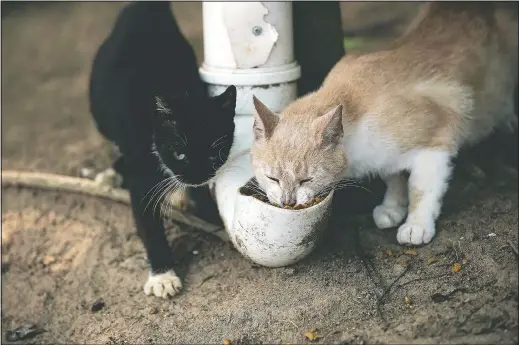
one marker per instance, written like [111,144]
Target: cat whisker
[160,197]
[342,184]
[154,187]
[219,144]
[172,186]
[168,204]
[184,142]
[156,190]
[217,141]
[220,154]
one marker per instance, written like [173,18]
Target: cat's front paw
[388,216]
[163,285]
[415,233]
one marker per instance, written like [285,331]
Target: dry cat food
[310,203]
[249,190]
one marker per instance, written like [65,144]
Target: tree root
[84,186]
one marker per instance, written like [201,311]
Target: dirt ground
[63,253]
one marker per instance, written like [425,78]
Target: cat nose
[288,201]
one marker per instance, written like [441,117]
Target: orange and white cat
[446,83]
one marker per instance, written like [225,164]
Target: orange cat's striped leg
[428,182]
[393,209]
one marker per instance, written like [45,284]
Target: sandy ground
[63,253]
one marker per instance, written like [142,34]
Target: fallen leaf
[389,252]
[49,259]
[407,300]
[431,261]
[410,252]
[312,335]
[226,342]
[404,263]
[456,267]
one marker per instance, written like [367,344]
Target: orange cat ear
[328,127]
[265,121]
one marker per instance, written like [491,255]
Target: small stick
[514,248]
[71,184]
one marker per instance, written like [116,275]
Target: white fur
[430,174]
[370,152]
[393,209]
[163,284]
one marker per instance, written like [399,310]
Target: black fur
[146,97]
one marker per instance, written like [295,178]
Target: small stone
[196,252]
[86,172]
[5,263]
[97,306]
[289,271]
[49,259]
[154,310]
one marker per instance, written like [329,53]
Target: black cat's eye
[273,179]
[304,181]
[179,156]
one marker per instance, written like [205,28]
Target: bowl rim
[312,208]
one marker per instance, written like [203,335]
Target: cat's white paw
[163,284]
[415,233]
[388,216]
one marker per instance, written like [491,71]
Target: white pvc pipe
[249,45]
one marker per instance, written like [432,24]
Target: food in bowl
[246,190]
[271,236]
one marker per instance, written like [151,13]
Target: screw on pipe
[257,30]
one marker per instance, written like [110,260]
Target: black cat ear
[161,108]
[227,99]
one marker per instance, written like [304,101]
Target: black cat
[146,97]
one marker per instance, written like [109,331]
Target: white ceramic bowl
[274,237]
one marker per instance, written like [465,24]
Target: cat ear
[227,99]
[265,121]
[328,127]
[161,108]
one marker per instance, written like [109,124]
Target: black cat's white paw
[163,285]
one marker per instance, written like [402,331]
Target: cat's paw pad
[388,216]
[163,285]
[415,233]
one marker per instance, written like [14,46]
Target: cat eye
[179,156]
[273,179]
[304,181]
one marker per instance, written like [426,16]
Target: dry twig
[71,184]
[514,248]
